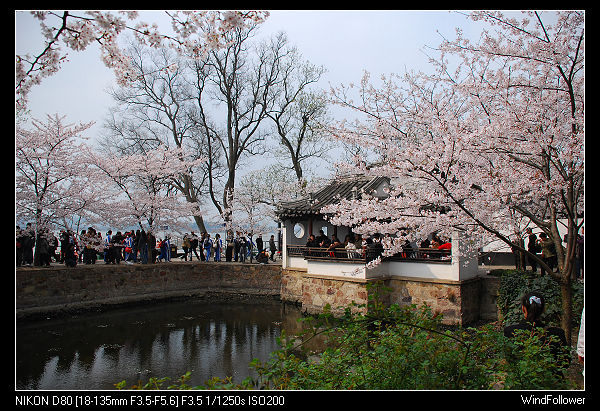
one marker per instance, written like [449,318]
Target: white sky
[345,42]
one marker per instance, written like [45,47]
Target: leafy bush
[408,348]
[373,352]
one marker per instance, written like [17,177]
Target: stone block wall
[460,302]
[318,292]
[62,288]
[40,290]
[442,297]
[291,285]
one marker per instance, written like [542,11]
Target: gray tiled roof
[342,187]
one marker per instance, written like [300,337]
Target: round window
[299,230]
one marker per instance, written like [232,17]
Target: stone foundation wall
[317,292]
[40,290]
[460,302]
[291,285]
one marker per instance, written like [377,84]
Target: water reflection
[162,340]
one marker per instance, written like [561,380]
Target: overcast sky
[345,42]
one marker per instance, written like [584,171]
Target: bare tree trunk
[566,292]
[227,77]
[200,223]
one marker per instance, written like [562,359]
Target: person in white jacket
[581,340]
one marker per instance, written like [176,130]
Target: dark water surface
[95,351]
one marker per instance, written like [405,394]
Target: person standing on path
[208,244]
[194,245]
[533,248]
[218,247]
[243,248]
[186,246]
[20,241]
[229,248]
[259,243]
[27,244]
[236,246]
[272,247]
[143,246]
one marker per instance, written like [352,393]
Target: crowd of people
[237,248]
[355,246]
[132,247]
[26,239]
[546,248]
[143,247]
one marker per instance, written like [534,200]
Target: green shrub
[407,348]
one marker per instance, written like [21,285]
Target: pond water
[94,351]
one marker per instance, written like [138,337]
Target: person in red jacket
[446,246]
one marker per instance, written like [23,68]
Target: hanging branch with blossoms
[196,32]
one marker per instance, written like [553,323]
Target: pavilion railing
[365,255]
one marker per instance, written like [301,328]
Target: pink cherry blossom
[77,31]
[488,144]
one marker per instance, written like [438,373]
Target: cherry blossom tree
[51,180]
[60,180]
[263,189]
[497,131]
[247,213]
[257,194]
[194,32]
[142,187]
[253,205]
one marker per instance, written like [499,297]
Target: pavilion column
[464,257]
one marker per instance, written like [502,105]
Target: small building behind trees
[447,280]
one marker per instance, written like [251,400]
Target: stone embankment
[60,289]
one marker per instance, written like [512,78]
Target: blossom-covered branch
[195,32]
